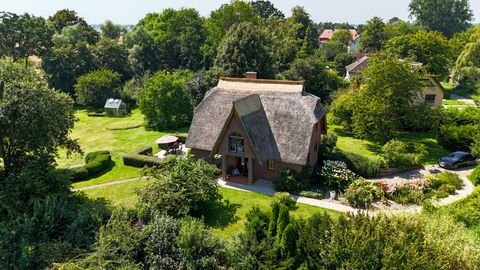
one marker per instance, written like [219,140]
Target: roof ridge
[271,81]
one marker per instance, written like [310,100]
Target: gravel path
[463,99]
[266,187]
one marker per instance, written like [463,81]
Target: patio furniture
[166,142]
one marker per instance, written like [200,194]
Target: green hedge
[95,163]
[360,165]
[141,158]
[475,176]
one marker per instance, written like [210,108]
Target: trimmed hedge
[141,158]
[95,163]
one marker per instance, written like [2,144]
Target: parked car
[456,160]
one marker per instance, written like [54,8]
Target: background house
[432,91]
[354,45]
[255,128]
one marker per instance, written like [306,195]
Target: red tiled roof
[328,33]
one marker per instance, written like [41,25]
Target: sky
[130,11]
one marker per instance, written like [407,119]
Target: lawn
[348,144]
[224,221]
[118,135]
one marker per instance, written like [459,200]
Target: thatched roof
[279,122]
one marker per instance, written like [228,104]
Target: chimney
[251,75]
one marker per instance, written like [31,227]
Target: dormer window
[236,144]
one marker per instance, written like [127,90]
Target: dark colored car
[456,160]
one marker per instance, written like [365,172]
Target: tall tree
[69,58]
[165,101]
[112,55]
[220,21]
[432,49]
[111,30]
[143,53]
[385,98]
[66,17]
[373,36]
[266,9]
[446,16]
[178,35]
[301,16]
[23,35]
[244,49]
[34,120]
[318,80]
[309,45]
[467,65]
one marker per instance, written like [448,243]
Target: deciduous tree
[65,17]
[446,16]
[94,88]
[266,9]
[165,101]
[244,49]
[373,35]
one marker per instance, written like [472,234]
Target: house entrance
[242,166]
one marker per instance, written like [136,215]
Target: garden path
[463,99]
[266,187]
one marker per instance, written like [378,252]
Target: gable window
[271,165]
[430,99]
[236,144]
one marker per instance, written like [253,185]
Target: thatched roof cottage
[255,128]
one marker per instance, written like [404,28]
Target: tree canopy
[244,49]
[266,9]
[23,35]
[178,35]
[446,16]
[373,35]
[165,101]
[35,121]
[94,88]
[432,49]
[66,17]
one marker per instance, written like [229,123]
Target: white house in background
[432,91]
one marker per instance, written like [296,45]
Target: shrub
[456,138]
[475,148]
[311,194]
[362,193]
[337,175]
[182,186]
[284,198]
[446,188]
[95,163]
[328,143]
[445,178]
[399,154]
[475,176]
[94,88]
[287,182]
[97,114]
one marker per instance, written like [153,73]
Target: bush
[97,114]
[399,154]
[311,194]
[456,138]
[446,188]
[183,186]
[287,182]
[284,198]
[328,143]
[95,163]
[94,88]
[337,175]
[362,193]
[475,176]
[445,178]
